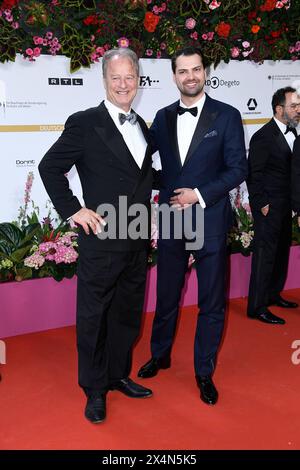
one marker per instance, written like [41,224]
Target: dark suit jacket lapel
[205,121]
[171,117]
[109,133]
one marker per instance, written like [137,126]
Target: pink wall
[42,304]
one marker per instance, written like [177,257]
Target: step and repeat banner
[36,99]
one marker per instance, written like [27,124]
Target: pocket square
[210,134]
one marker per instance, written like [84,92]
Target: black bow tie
[291,129]
[131,117]
[193,111]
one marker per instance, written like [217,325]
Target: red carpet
[42,406]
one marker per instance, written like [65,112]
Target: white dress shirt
[186,126]
[132,133]
[289,137]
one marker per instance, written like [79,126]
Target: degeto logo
[215,82]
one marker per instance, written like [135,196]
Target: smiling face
[121,82]
[190,78]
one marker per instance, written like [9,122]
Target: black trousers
[211,272]
[271,246]
[110,297]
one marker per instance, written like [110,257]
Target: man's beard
[191,93]
[291,122]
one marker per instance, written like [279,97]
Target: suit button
[121,179]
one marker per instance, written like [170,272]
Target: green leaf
[10,233]
[18,255]
[24,273]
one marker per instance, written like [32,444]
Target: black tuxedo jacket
[106,169]
[269,166]
[296,176]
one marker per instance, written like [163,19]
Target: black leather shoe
[95,410]
[131,389]
[267,317]
[280,302]
[208,392]
[151,367]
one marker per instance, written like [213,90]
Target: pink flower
[210,35]
[279,5]
[94,57]
[297,46]
[247,207]
[214,4]
[123,42]
[163,46]
[149,1]
[204,36]
[149,52]
[100,51]
[15,25]
[235,52]
[37,51]
[158,54]
[34,261]
[194,35]
[29,51]
[49,35]
[245,44]
[155,10]
[190,23]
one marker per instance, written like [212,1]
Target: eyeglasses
[292,106]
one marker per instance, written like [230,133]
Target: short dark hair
[187,51]
[279,97]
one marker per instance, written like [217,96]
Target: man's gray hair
[120,52]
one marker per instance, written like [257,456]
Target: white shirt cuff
[200,198]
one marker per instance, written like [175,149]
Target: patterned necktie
[131,117]
[291,129]
[193,111]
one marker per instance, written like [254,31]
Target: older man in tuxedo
[202,151]
[269,185]
[108,145]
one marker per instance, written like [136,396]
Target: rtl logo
[65,81]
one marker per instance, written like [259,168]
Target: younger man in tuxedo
[202,151]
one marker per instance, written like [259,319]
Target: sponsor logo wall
[36,99]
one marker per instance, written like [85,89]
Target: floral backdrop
[84,29]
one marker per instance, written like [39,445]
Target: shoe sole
[95,422]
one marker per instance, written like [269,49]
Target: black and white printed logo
[215,82]
[65,81]
[147,82]
[253,107]
[24,163]
[252,104]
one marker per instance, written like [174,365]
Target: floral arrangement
[84,29]
[33,249]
